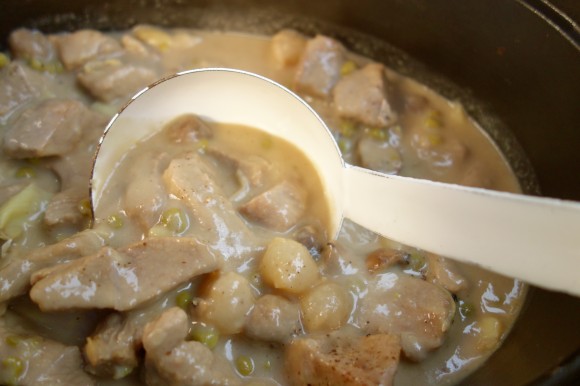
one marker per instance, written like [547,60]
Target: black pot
[518,64]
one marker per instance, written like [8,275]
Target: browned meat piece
[64,207]
[379,155]
[319,67]
[287,47]
[382,258]
[343,361]
[30,44]
[278,208]
[445,273]
[45,362]
[192,180]
[20,84]
[170,360]
[77,48]
[15,276]
[145,197]
[187,128]
[362,96]
[421,323]
[122,280]
[115,344]
[52,128]
[273,319]
[112,79]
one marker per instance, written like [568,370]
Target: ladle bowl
[534,239]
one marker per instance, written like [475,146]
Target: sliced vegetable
[21,209]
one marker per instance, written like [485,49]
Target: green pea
[347,129]
[36,64]
[377,133]
[466,309]
[206,335]
[13,340]
[183,299]
[54,67]
[202,144]
[344,145]
[25,172]
[85,207]
[14,368]
[175,219]
[120,372]
[417,262]
[348,67]
[245,365]
[4,60]
[115,221]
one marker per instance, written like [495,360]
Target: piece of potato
[227,302]
[287,265]
[325,307]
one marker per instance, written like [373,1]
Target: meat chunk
[144,197]
[52,128]
[287,47]
[32,360]
[20,85]
[187,128]
[273,319]
[64,207]
[278,208]
[74,168]
[254,170]
[113,79]
[342,360]
[362,96]
[379,155]
[30,44]
[125,279]
[445,273]
[421,323]
[79,47]
[170,360]
[115,344]
[319,67]
[192,180]
[15,275]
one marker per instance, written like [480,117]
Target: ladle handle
[531,238]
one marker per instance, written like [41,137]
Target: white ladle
[534,239]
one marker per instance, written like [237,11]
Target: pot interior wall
[515,70]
